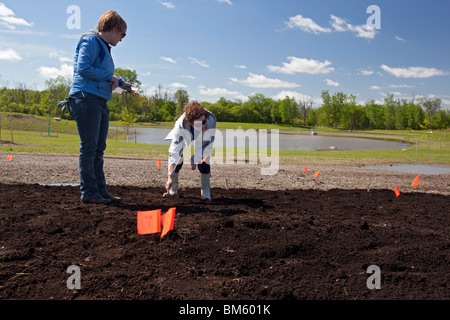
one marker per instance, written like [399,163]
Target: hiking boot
[111,197]
[98,200]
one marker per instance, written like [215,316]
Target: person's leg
[173,191]
[205,170]
[101,147]
[88,118]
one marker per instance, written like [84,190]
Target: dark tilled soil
[246,244]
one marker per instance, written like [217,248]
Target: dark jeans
[92,116]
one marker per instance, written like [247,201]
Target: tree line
[338,110]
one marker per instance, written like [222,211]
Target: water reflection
[291,142]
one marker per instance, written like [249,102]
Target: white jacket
[182,136]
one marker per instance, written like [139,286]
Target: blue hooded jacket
[93,67]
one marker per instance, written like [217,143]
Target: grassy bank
[43,135]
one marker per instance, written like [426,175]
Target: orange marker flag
[204,159]
[397,192]
[168,220]
[158,163]
[171,168]
[316,174]
[305,170]
[149,221]
[9,158]
[415,182]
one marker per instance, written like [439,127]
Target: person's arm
[88,53]
[176,150]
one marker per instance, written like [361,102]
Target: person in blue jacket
[92,85]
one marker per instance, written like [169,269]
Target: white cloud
[399,38]
[361,31]
[168,59]
[217,92]
[152,90]
[297,65]
[8,19]
[226,1]
[60,57]
[375,88]
[5,11]
[178,85]
[187,76]
[366,72]
[297,96]
[145,74]
[306,24]
[200,63]
[240,67]
[168,5]
[332,83]
[413,72]
[401,86]
[65,70]
[9,55]
[260,81]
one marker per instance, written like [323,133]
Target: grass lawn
[42,135]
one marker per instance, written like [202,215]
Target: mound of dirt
[247,244]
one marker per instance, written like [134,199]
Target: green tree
[375,115]
[181,97]
[129,76]
[431,107]
[288,110]
[58,89]
[337,106]
[390,112]
[326,106]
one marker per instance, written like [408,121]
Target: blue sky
[235,48]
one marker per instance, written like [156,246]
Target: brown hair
[110,20]
[194,110]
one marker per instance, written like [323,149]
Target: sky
[236,48]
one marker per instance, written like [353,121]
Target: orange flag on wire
[149,221]
[316,174]
[9,158]
[305,170]
[397,192]
[168,220]
[171,168]
[158,163]
[204,159]
[415,182]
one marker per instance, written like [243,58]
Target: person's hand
[168,186]
[114,82]
[126,85]
[169,183]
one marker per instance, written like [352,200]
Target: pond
[291,142]
[410,168]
